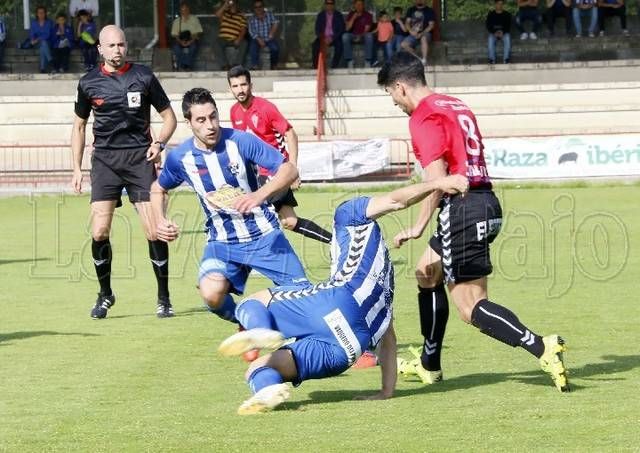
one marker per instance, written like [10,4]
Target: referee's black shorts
[466,227]
[113,170]
[280,199]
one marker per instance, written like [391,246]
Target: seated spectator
[232,32]
[499,27]
[528,12]
[329,28]
[608,8]
[185,31]
[358,30]
[87,39]
[400,31]
[555,9]
[585,8]
[420,23]
[90,6]
[40,35]
[62,43]
[262,29]
[3,39]
[384,36]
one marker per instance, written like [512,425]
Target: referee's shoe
[164,308]
[103,304]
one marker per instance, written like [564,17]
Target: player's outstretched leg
[312,230]
[502,324]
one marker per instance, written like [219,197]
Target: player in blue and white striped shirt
[333,321]
[245,235]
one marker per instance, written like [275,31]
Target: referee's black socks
[434,313]
[159,254]
[101,253]
[503,325]
[312,230]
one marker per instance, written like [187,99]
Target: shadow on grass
[5,337]
[23,260]
[187,312]
[592,371]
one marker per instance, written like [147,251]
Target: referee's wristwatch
[163,145]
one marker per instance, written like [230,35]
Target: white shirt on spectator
[88,5]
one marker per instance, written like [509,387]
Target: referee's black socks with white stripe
[159,254]
[312,230]
[434,313]
[101,253]
[502,324]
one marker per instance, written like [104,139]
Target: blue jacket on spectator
[44,32]
[68,35]
[338,23]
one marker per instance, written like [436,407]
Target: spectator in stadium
[263,119]
[120,95]
[420,22]
[41,36]
[447,141]
[3,39]
[499,27]
[90,6]
[384,36]
[232,33]
[329,29]
[586,8]
[556,9]
[263,27]
[609,8]
[87,33]
[185,31]
[243,232]
[63,40]
[528,12]
[400,31]
[335,320]
[358,31]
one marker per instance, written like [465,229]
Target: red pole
[436,9]
[162,24]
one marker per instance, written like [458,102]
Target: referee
[121,95]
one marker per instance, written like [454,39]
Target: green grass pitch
[566,262]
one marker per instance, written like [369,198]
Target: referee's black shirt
[121,102]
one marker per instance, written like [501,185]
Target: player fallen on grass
[243,231]
[334,321]
[446,140]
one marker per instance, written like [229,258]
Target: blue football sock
[226,311]
[263,377]
[252,313]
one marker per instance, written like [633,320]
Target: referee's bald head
[111,33]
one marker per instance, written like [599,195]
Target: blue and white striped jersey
[233,162]
[361,264]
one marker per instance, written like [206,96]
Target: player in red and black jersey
[446,140]
[260,117]
[121,94]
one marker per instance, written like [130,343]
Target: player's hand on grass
[76,181]
[406,235]
[453,184]
[167,231]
